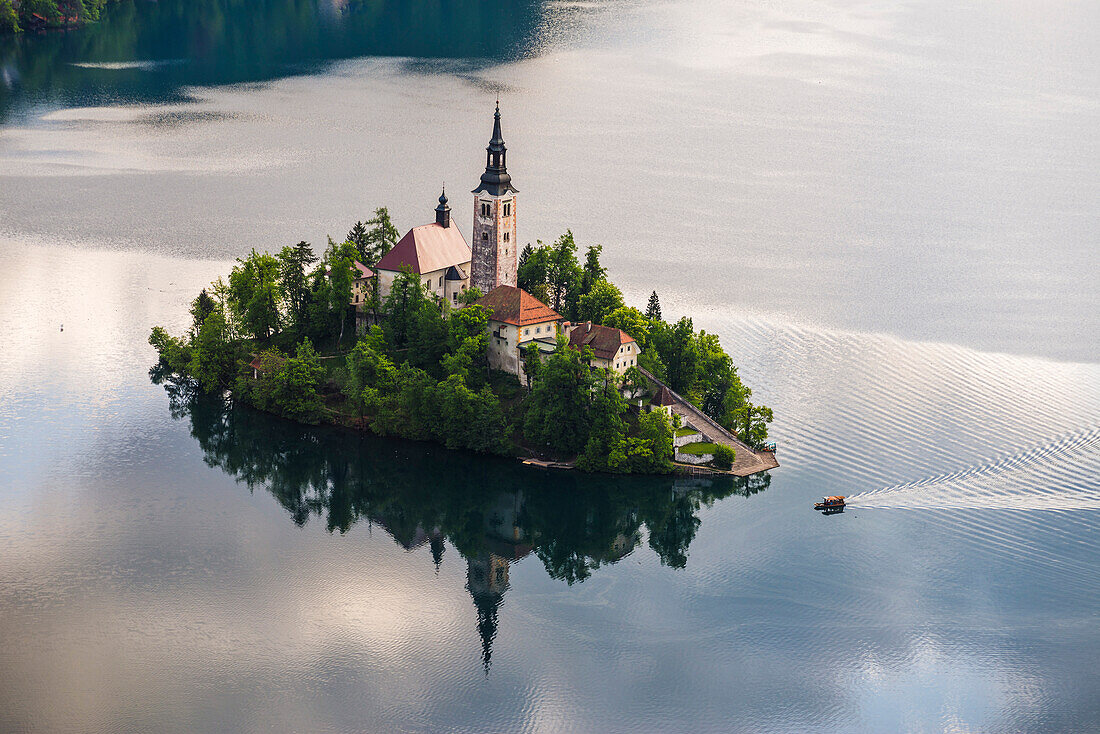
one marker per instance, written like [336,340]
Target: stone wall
[679,441]
[693,459]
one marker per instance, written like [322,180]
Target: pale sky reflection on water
[885,211]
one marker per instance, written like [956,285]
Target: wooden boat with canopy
[832,502]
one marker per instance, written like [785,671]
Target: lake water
[887,212]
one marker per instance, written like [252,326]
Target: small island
[531,353]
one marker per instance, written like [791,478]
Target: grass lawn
[681,432]
[697,449]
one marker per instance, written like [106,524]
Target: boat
[833,502]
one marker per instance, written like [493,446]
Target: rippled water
[885,213]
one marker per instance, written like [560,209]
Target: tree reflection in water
[168,46]
[492,511]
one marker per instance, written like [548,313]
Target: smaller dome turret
[443,211]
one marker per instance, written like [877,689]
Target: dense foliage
[273,335]
[15,15]
[692,363]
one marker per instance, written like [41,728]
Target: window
[507,209]
[486,209]
[538,329]
[454,296]
[441,281]
[484,235]
[526,332]
[357,298]
[506,236]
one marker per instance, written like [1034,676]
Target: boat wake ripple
[1061,475]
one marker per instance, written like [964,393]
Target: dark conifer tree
[653,311]
[358,237]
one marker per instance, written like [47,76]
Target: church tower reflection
[423,496]
[487,580]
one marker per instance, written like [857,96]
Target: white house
[518,319]
[612,348]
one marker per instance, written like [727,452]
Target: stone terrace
[746,461]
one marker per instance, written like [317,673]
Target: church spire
[498,139]
[443,211]
[496,181]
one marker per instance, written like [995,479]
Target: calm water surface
[888,214]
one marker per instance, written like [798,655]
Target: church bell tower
[494,246]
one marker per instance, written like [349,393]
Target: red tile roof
[362,271]
[427,248]
[663,397]
[513,305]
[603,340]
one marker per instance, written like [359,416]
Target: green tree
[402,305]
[714,375]
[754,424]
[201,307]
[358,236]
[563,275]
[9,19]
[466,323]
[297,385]
[254,294]
[632,321]
[650,450]
[634,382]
[470,420]
[369,371]
[428,336]
[468,342]
[381,237]
[340,270]
[604,450]
[676,346]
[532,363]
[213,362]
[259,391]
[294,260]
[600,301]
[593,272]
[175,354]
[534,263]
[469,296]
[560,404]
[723,456]
[653,310]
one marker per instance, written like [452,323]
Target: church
[439,253]
[448,266]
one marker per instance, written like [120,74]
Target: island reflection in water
[493,511]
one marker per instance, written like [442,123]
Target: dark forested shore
[19,15]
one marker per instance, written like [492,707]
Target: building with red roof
[612,348]
[518,319]
[437,252]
